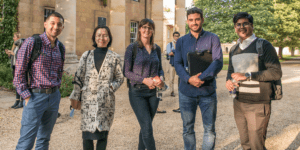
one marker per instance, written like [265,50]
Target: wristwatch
[248,76]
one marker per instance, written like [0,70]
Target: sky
[170,3]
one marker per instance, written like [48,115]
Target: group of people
[100,74]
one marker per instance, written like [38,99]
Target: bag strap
[78,78]
[171,43]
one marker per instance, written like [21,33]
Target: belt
[47,91]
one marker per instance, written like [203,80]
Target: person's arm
[21,66]
[271,62]
[230,67]
[216,66]
[160,69]
[168,48]
[179,64]
[128,69]
[79,77]
[61,68]
[118,76]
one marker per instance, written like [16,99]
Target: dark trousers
[18,97]
[144,104]
[101,142]
[252,122]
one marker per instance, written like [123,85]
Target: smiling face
[243,28]
[195,22]
[146,31]
[54,26]
[15,38]
[102,37]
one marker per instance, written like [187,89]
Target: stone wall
[31,16]
[87,13]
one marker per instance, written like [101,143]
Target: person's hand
[195,81]
[26,100]
[238,76]
[75,104]
[230,85]
[171,54]
[159,84]
[149,82]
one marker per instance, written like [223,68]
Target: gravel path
[283,130]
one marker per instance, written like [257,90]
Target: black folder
[199,61]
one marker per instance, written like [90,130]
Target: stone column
[67,8]
[117,26]
[157,17]
[180,17]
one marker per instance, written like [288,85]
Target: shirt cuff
[25,94]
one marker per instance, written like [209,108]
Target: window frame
[133,30]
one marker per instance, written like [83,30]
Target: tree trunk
[293,51]
[280,52]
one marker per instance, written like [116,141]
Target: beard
[197,30]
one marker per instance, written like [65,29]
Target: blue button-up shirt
[145,65]
[188,43]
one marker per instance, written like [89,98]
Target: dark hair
[108,32]
[194,10]
[151,24]
[176,33]
[242,15]
[56,14]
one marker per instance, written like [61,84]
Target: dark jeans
[144,104]
[188,109]
[18,97]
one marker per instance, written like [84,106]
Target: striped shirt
[188,43]
[46,70]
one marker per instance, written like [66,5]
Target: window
[168,34]
[136,0]
[48,12]
[133,31]
[101,21]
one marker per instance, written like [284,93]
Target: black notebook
[198,61]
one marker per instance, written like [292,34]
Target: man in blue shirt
[191,90]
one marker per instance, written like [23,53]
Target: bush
[6,76]
[66,85]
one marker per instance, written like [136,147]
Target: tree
[218,16]
[288,28]
[7,27]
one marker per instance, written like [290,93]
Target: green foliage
[6,76]
[8,27]
[66,85]
[288,28]
[218,17]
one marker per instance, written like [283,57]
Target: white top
[246,42]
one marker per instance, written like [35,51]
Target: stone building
[174,20]
[82,16]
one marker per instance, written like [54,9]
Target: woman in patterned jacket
[101,74]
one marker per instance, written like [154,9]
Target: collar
[246,42]
[174,41]
[201,34]
[47,41]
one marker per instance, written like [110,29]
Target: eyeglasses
[245,24]
[149,28]
[103,36]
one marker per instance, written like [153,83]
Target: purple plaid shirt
[46,70]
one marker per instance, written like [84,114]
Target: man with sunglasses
[254,73]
